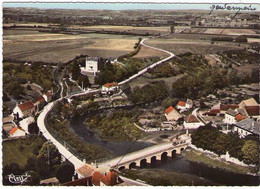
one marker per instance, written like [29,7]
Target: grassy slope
[12,154]
[199,157]
[157,177]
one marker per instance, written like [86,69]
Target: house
[50,182]
[91,65]
[172,114]
[247,127]
[226,107]
[109,88]
[16,132]
[7,127]
[39,102]
[47,96]
[189,104]
[79,182]
[248,102]
[230,116]
[183,106]
[8,119]
[110,178]
[25,123]
[25,109]
[252,111]
[85,171]
[192,122]
[212,112]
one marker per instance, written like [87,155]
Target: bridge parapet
[171,151]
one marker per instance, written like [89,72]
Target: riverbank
[158,177]
[199,157]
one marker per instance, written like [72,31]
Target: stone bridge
[146,156]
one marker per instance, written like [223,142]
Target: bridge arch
[153,161]
[132,165]
[143,163]
[121,168]
[182,149]
[174,151]
[164,156]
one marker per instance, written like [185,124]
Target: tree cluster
[149,93]
[202,79]
[60,127]
[115,126]
[210,138]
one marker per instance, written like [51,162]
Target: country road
[149,67]
[64,151]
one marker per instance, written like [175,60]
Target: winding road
[64,151]
[149,67]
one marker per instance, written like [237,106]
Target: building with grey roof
[247,127]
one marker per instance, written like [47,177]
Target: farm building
[191,122]
[109,88]
[24,109]
[172,114]
[247,127]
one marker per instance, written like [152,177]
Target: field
[12,152]
[224,32]
[29,45]
[195,43]
[149,52]
[133,29]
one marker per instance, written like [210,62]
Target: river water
[117,149]
[178,164]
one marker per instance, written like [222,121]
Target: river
[179,164]
[216,175]
[117,149]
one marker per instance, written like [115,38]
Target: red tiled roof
[86,170]
[252,110]
[108,85]
[40,98]
[239,117]
[110,179]
[225,107]
[96,177]
[168,110]
[80,182]
[26,106]
[215,111]
[191,119]
[13,130]
[181,103]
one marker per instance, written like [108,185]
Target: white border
[111,1]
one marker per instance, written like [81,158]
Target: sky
[114,6]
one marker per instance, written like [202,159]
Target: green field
[13,152]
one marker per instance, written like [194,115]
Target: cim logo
[18,179]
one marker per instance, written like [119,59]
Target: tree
[65,172]
[34,179]
[83,79]
[31,164]
[250,152]
[33,128]
[172,28]
[222,143]
[42,168]
[75,70]
[50,154]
